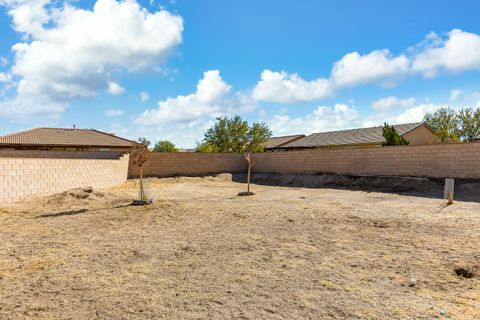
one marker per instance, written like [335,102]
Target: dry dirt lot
[201,252]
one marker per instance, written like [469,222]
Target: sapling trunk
[249,171]
[142,197]
[248,176]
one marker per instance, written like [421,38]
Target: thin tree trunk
[248,177]
[141,184]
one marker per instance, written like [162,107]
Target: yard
[201,252]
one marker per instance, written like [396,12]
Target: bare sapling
[138,156]
[248,157]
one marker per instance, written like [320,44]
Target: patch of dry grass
[200,252]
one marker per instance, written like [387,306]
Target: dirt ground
[201,252]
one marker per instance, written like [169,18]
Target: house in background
[277,143]
[416,133]
[64,139]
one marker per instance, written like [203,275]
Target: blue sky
[166,69]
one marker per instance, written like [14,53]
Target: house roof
[63,137]
[349,137]
[275,142]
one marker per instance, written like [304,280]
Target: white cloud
[115,89]
[323,118]
[144,96]
[414,114]
[390,102]
[409,115]
[282,87]
[207,102]
[5,77]
[455,94]
[73,51]
[378,66]
[28,16]
[3,61]
[459,52]
[114,113]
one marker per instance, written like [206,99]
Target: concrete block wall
[26,173]
[167,164]
[434,161]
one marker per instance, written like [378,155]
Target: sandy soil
[201,252]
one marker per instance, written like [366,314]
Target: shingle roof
[275,142]
[64,137]
[348,137]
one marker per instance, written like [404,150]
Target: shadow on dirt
[74,212]
[465,189]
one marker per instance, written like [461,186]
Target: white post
[449,189]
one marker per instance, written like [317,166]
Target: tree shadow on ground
[78,211]
[465,189]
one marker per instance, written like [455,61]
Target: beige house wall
[27,173]
[421,136]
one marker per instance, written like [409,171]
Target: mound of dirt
[77,198]
[75,194]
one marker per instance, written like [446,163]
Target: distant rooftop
[61,137]
[276,142]
[349,137]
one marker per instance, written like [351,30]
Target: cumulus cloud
[70,52]
[283,87]
[5,77]
[455,94]
[183,119]
[114,113]
[29,16]
[459,52]
[210,100]
[378,66]
[115,89]
[390,102]
[353,69]
[144,96]
[323,118]
[412,114]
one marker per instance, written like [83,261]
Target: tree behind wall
[165,146]
[445,122]
[236,135]
[392,138]
[469,123]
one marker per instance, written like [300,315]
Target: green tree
[204,147]
[392,138]
[236,135]
[446,123]
[165,146]
[469,124]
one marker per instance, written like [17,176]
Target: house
[277,143]
[64,139]
[416,133]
